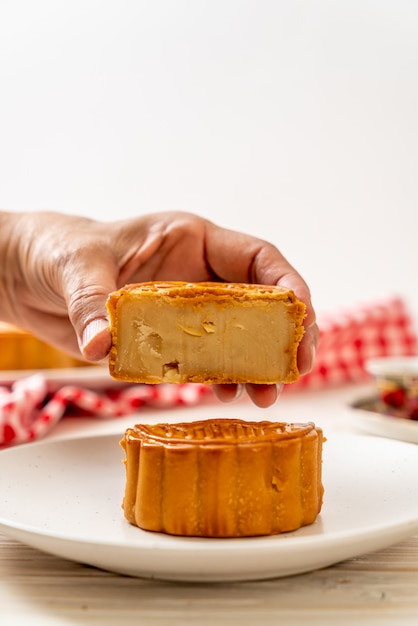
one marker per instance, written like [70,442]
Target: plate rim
[94,376]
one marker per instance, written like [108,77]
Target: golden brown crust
[223,477]
[205,290]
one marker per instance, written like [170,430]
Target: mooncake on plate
[223,477]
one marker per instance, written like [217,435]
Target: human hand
[59,269]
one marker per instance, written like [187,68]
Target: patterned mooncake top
[218,431]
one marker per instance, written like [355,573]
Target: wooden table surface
[40,589]
[375,589]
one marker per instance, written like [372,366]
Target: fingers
[262,396]
[228,393]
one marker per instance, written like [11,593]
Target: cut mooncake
[223,477]
[181,332]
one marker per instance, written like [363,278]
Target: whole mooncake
[223,477]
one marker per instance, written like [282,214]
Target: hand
[60,269]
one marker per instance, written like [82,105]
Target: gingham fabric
[347,339]
[28,411]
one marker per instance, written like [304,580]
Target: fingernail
[238,392]
[90,334]
[313,354]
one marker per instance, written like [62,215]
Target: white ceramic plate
[64,497]
[93,377]
[368,421]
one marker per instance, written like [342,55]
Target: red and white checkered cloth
[28,411]
[347,339]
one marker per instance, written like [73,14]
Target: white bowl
[396,380]
[393,367]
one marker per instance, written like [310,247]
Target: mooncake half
[180,332]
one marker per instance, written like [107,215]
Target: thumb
[86,298]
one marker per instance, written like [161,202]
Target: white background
[294,120]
